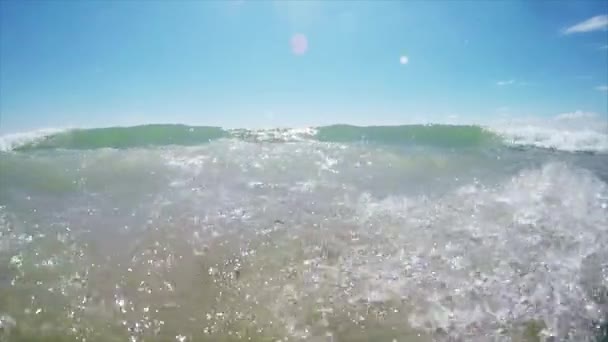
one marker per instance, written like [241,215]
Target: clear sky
[278,63]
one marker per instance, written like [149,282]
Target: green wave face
[161,135]
[126,137]
[433,135]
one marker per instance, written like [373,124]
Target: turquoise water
[159,135]
[337,233]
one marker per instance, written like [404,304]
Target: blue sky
[232,63]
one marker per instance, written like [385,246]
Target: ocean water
[336,233]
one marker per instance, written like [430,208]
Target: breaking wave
[437,135]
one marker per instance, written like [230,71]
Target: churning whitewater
[335,233]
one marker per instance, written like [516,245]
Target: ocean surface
[335,233]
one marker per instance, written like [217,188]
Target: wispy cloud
[603,47]
[513,82]
[505,83]
[602,88]
[599,22]
[579,114]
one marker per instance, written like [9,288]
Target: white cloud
[513,82]
[504,83]
[599,22]
[602,88]
[579,114]
[603,47]
[404,59]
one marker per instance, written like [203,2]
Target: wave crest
[563,138]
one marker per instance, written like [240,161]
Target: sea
[419,232]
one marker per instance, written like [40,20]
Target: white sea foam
[275,134]
[572,132]
[9,142]
[563,140]
[310,237]
[482,259]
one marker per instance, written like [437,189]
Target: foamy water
[279,236]
[8,142]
